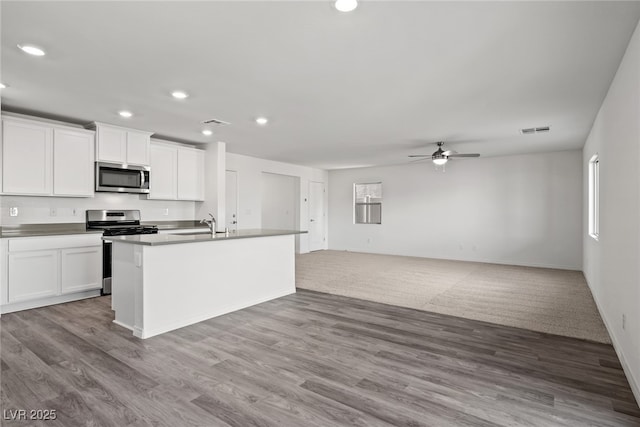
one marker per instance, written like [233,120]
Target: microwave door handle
[141,179]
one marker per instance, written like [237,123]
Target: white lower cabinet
[40,271]
[32,275]
[81,269]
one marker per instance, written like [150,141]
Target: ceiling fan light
[346,5]
[440,161]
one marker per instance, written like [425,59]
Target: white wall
[37,210]
[524,210]
[250,171]
[280,204]
[214,184]
[611,265]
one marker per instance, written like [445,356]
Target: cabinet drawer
[54,242]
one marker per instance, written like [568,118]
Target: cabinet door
[73,163]
[112,144]
[164,172]
[32,275]
[81,269]
[190,174]
[26,158]
[138,148]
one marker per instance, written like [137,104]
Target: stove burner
[118,223]
[126,231]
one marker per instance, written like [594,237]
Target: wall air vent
[540,129]
[216,122]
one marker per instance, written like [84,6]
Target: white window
[594,197]
[367,203]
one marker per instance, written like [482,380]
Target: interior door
[316,216]
[231,200]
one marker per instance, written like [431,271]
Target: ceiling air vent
[216,122]
[530,131]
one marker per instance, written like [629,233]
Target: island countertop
[172,239]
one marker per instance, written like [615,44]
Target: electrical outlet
[53,212]
[166,211]
[74,211]
[368,240]
[13,211]
[624,321]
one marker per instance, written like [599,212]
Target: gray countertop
[172,239]
[61,229]
[176,225]
[33,230]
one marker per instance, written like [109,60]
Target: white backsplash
[38,210]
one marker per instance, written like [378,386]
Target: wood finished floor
[309,359]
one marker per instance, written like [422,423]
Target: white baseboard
[123,325]
[60,299]
[483,261]
[633,381]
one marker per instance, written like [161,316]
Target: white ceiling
[341,90]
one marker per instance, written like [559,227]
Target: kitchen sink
[196,233]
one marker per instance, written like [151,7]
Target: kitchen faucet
[211,223]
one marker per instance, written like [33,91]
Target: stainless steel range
[115,223]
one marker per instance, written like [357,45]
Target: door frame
[237,206]
[324,215]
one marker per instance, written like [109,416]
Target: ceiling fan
[441,157]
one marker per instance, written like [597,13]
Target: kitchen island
[162,282]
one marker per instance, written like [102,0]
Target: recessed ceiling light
[346,5]
[178,94]
[31,50]
[2,86]
[125,114]
[207,132]
[262,121]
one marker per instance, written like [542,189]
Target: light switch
[13,211]
[137,259]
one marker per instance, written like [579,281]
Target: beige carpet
[540,299]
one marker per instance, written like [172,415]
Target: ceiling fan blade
[449,152]
[465,155]
[419,160]
[420,155]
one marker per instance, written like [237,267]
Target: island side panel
[126,277]
[188,283]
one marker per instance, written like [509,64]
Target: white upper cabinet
[177,172]
[26,158]
[138,145]
[122,145]
[73,154]
[42,159]
[112,144]
[163,179]
[190,174]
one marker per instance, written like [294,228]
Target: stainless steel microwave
[122,178]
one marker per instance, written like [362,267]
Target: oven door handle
[141,179]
